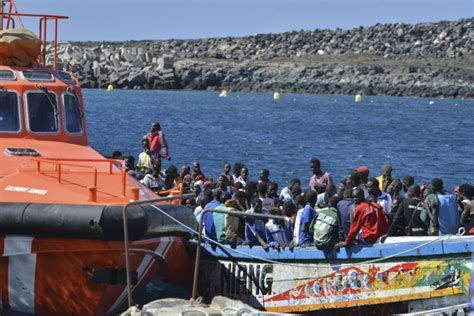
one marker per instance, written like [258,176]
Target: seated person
[218,219]
[278,232]
[233,232]
[153,180]
[201,202]
[408,220]
[172,178]
[130,166]
[323,198]
[145,161]
[325,226]
[288,193]
[255,234]
[304,236]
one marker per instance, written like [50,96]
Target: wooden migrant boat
[412,273]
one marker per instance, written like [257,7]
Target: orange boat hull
[48,276]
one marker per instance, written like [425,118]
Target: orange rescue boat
[61,202]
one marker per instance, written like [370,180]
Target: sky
[98,20]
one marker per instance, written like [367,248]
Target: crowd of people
[360,209]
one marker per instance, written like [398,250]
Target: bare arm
[164,144]
[434,211]
[465,215]
[261,241]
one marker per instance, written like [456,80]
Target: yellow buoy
[276,96]
[110,88]
[223,94]
[358,98]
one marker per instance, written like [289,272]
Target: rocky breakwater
[426,59]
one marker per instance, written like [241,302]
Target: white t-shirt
[385,201]
[277,232]
[286,194]
[242,181]
[152,183]
[297,226]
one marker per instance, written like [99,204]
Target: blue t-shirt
[219,223]
[345,208]
[252,227]
[306,218]
[209,228]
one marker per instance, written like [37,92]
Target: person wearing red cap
[364,174]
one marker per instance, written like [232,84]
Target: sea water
[425,138]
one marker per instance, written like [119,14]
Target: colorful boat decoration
[306,279]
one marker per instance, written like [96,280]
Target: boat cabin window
[9,112]
[64,76]
[72,114]
[7,75]
[42,112]
[38,75]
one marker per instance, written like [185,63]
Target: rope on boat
[295,264]
[228,248]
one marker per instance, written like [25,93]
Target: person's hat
[363,170]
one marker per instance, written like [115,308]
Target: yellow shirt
[144,161]
[380,179]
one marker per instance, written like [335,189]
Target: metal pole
[198,250]
[126,237]
[55,67]
[127,255]
[197,260]
[45,23]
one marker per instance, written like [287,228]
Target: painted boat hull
[318,281]
[50,276]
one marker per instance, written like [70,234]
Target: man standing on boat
[158,144]
[319,178]
[368,224]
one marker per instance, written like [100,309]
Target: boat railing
[75,162]
[11,15]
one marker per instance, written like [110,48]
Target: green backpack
[325,229]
